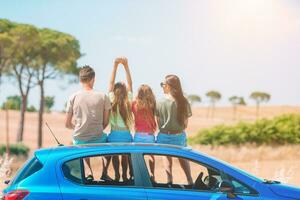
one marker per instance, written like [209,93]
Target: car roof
[61,151]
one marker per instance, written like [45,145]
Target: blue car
[91,172]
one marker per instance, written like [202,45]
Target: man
[88,115]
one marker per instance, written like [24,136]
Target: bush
[12,103]
[284,129]
[31,109]
[15,149]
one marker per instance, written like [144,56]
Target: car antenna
[59,144]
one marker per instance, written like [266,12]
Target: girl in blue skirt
[143,108]
[121,115]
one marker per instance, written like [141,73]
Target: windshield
[251,176]
[255,178]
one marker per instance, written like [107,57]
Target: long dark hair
[176,92]
[121,103]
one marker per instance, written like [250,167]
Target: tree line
[14,103]
[215,96]
[30,56]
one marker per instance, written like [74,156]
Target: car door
[179,189]
[74,185]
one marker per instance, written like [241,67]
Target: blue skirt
[142,138]
[119,136]
[102,139]
[174,139]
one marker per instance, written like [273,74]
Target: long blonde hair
[121,104]
[146,100]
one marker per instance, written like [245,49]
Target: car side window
[113,170]
[241,188]
[184,174]
[72,170]
[190,174]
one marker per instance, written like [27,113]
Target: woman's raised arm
[113,74]
[128,75]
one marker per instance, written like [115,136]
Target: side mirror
[7,182]
[227,187]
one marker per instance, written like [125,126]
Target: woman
[121,115]
[143,108]
[172,118]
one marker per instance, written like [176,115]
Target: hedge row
[284,129]
[15,149]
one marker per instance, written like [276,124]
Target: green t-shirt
[115,120]
[166,110]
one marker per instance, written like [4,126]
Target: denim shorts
[174,139]
[119,136]
[102,139]
[143,138]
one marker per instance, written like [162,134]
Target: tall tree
[193,98]
[24,49]
[259,97]
[214,97]
[5,45]
[236,101]
[58,56]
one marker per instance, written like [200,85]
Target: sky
[232,46]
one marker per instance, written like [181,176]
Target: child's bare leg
[105,163]
[88,162]
[152,167]
[116,165]
[185,165]
[124,167]
[168,166]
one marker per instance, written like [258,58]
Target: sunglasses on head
[162,84]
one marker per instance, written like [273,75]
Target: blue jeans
[174,139]
[119,136]
[143,138]
[102,139]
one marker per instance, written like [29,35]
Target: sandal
[90,178]
[106,178]
[117,177]
[125,179]
[169,184]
